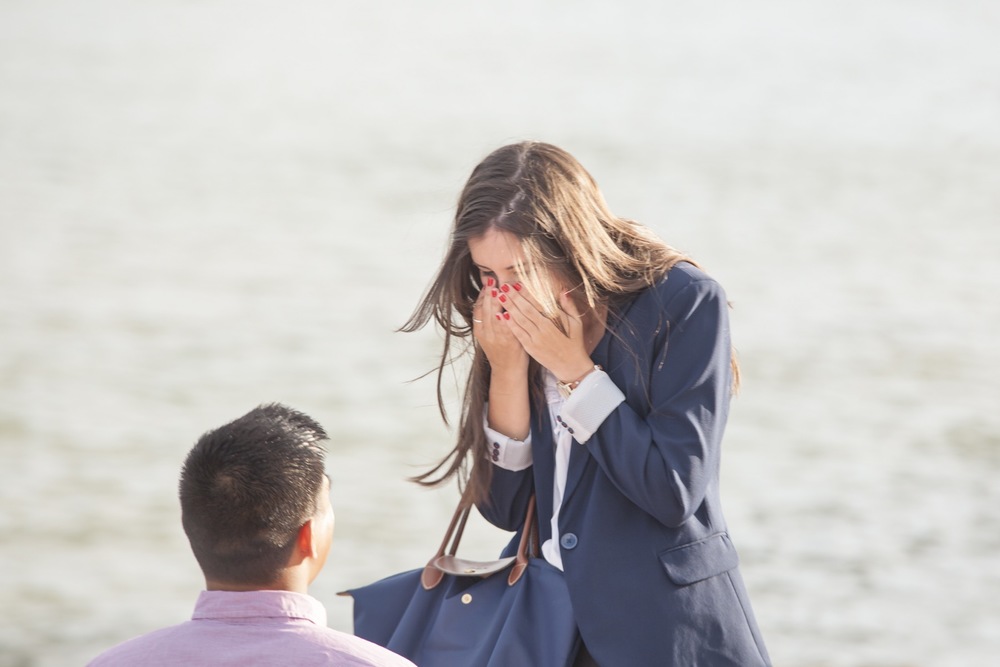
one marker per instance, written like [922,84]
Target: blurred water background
[206,205]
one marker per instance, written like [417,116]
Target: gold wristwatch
[566,388]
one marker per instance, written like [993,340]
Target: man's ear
[304,541]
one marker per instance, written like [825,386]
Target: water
[208,205]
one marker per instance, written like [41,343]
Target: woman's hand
[504,351]
[509,411]
[565,354]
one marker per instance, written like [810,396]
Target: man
[255,505]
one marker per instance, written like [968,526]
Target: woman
[601,374]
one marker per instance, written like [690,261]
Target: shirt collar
[259,604]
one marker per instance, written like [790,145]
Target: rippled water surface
[208,205]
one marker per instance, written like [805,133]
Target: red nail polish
[505,287]
[503,298]
[498,316]
[493,292]
[489,282]
[506,316]
[517,286]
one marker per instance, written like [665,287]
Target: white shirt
[574,418]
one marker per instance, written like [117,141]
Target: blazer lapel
[544,464]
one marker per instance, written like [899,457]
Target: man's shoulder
[130,651]
[214,643]
[352,651]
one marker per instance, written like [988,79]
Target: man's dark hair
[247,487]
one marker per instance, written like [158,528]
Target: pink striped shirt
[251,628]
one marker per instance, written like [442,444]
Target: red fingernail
[506,316]
[493,292]
[489,282]
[517,286]
[498,316]
[503,298]
[505,287]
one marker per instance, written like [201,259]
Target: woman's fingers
[527,320]
[489,294]
[524,309]
[478,308]
[559,348]
[530,316]
[501,346]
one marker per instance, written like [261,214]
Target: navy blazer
[650,568]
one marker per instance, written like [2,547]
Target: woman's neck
[594,325]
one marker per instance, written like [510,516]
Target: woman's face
[497,254]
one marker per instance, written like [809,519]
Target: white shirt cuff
[589,405]
[507,453]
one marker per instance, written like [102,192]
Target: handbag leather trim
[448,563]
[462,567]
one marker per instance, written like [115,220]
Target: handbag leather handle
[527,547]
[529,536]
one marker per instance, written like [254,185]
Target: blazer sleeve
[661,447]
[510,492]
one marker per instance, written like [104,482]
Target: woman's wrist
[566,388]
[576,374]
[508,411]
[509,376]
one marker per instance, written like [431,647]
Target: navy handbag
[455,612]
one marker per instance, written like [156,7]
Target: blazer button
[568,541]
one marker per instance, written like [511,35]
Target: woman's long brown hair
[547,200]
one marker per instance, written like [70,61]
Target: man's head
[255,499]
